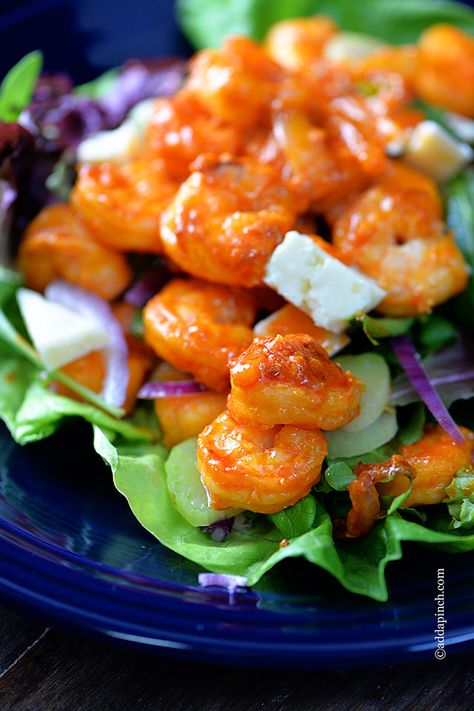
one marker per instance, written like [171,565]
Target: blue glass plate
[72,553]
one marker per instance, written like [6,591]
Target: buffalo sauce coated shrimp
[235,83]
[310,163]
[181,130]
[397,237]
[57,245]
[445,69]
[289,320]
[435,459]
[297,43]
[431,464]
[90,371]
[258,469]
[226,220]
[290,380]
[122,203]
[197,327]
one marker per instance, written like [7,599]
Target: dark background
[87,37]
[48,670]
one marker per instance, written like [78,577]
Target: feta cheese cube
[431,149]
[121,143]
[58,334]
[317,283]
[117,145]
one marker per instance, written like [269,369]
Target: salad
[251,274]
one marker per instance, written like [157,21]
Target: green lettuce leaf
[32,412]
[459,198]
[376,328]
[139,474]
[460,499]
[207,22]
[18,86]
[297,519]
[28,405]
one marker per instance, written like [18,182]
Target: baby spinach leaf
[339,475]
[297,519]
[375,328]
[412,423]
[433,332]
[18,86]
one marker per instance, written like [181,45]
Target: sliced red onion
[147,286]
[171,388]
[221,580]
[219,530]
[410,362]
[84,302]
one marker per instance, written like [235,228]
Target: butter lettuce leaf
[207,22]
[32,411]
[28,404]
[139,474]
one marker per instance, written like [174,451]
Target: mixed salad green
[159,484]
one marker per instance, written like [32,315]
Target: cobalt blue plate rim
[155,615]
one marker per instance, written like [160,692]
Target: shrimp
[445,69]
[396,237]
[197,327]
[235,83]
[397,176]
[430,464]
[258,469]
[310,164]
[400,60]
[58,245]
[90,371]
[122,203]
[364,496]
[225,222]
[436,459]
[290,380]
[289,320]
[297,43]
[181,131]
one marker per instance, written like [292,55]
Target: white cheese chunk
[58,334]
[121,143]
[117,145]
[349,46]
[141,115]
[431,149]
[317,283]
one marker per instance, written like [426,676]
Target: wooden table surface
[48,670]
